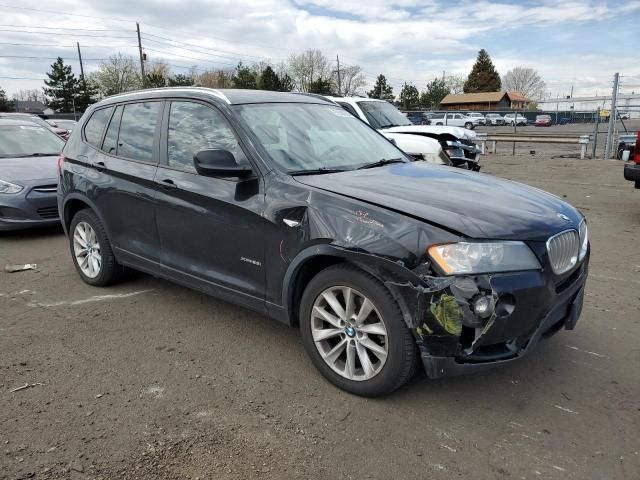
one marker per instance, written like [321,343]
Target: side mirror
[219,163]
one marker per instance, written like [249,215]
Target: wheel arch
[73,204]
[311,261]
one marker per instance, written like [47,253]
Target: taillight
[60,163]
[636,156]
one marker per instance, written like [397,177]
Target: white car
[514,119]
[457,142]
[478,116]
[494,119]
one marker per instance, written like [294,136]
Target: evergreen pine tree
[180,80]
[6,105]
[409,97]
[381,90]
[62,86]
[483,76]
[244,77]
[269,80]
[86,94]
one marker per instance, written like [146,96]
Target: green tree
[269,80]
[286,83]
[180,80]
[85,94]
[409,97]
[62,86]
[321,86]
[381,90]
[154,80]
[436,90]
[6,105]
[483,76]
[244,77]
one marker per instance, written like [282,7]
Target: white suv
[478,116]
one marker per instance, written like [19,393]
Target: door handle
[168,184]
[99,166]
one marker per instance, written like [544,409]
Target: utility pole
[339,83]
[595,134]
[141,55]
[80,58]
[612,117]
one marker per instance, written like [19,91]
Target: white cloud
[412,40]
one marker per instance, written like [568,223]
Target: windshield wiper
[380,163]
[317,171]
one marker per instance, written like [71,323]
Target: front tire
[468,126]
[354,332]
[91,250]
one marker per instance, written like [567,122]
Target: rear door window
[137,131]
[110,144]
[95,126]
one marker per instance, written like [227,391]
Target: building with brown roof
[485,101]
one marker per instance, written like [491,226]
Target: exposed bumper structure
[461,151]
[525,308]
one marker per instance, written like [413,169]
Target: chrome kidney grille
[563,251]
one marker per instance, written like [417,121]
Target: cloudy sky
[578,43]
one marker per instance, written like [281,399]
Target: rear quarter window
[95,126]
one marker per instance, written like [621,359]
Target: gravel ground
[150,380]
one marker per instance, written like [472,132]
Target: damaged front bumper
[455,337]
[463,152]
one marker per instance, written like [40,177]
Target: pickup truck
[455,120]
[458,143]
[632,167]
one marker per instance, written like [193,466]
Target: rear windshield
[28,140]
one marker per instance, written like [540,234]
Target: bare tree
[117,74]
[352,80]
[215,78]
[307,68]
[33,95]
[455,83]
[526,81]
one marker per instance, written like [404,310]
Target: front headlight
[584,239]
[483,257]
[6,187]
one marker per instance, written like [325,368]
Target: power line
[64,46]
[67,28]
[57,12]
[185,56]
[64,34]
[167,40]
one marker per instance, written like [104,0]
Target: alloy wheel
[349,333]
[86,249]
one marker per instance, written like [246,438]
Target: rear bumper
[632,173]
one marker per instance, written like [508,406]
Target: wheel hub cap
[86,249]
[349,333]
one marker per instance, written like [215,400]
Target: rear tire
[91,250]
[468,126]
[373,352]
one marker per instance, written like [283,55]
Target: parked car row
[466,119]
[54,125]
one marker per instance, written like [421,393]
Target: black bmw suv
[288,205]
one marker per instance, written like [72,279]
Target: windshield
[27,140]
[303,137]
[383,115]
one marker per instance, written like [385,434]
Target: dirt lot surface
[150,380]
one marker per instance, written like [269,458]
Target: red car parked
[543,121]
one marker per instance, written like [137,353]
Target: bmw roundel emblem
[563,217]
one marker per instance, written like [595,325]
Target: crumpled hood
[473,204]
[29,168]
[458,132]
